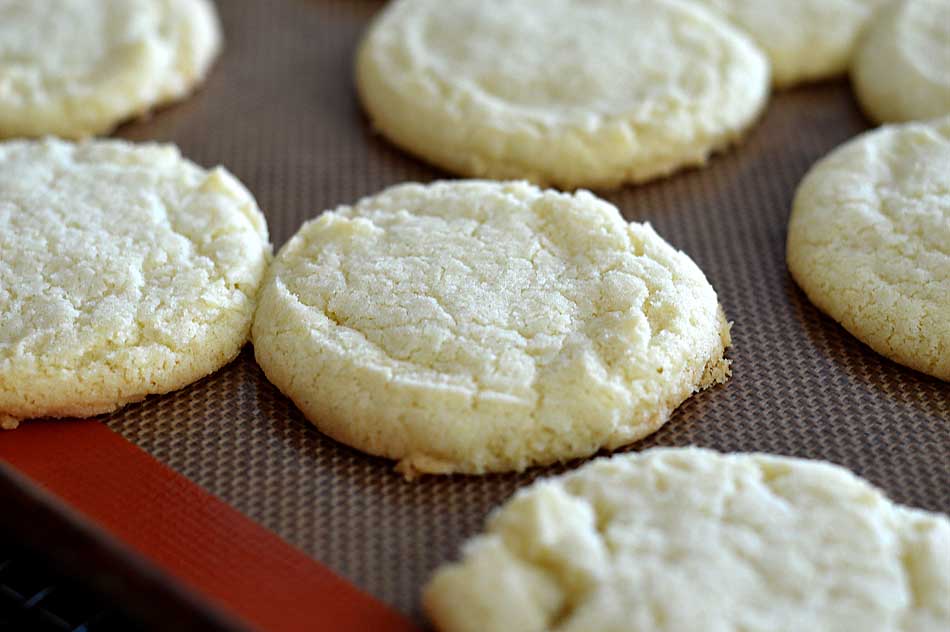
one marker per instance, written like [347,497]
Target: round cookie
[562,92]
[125,270]
[677,540]
[901,70]
[868,241]
[75,68]
[805,40]
[476,326]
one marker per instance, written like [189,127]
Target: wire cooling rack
[35,598]
[60,572]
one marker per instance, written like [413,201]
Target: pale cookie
[476,326]
[563,92]
[869,241]
[901,71]
[805,40]
[690,540]
[125,270]
[75,68]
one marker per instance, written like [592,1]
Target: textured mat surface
[280,111]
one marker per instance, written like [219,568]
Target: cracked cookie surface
[475,326]
[561,92]
[125,270]
[75,68]
[690,540]
[869,241]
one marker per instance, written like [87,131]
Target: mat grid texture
[280,111]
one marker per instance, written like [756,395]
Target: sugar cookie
[476,326]
[869,241]
[901,71]
[563,92]
[75,68]
[125,270]
[805,40]
[689,540]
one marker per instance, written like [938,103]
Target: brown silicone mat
[279,110]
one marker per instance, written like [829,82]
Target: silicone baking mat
[280,111]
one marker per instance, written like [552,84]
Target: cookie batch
[510,320]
